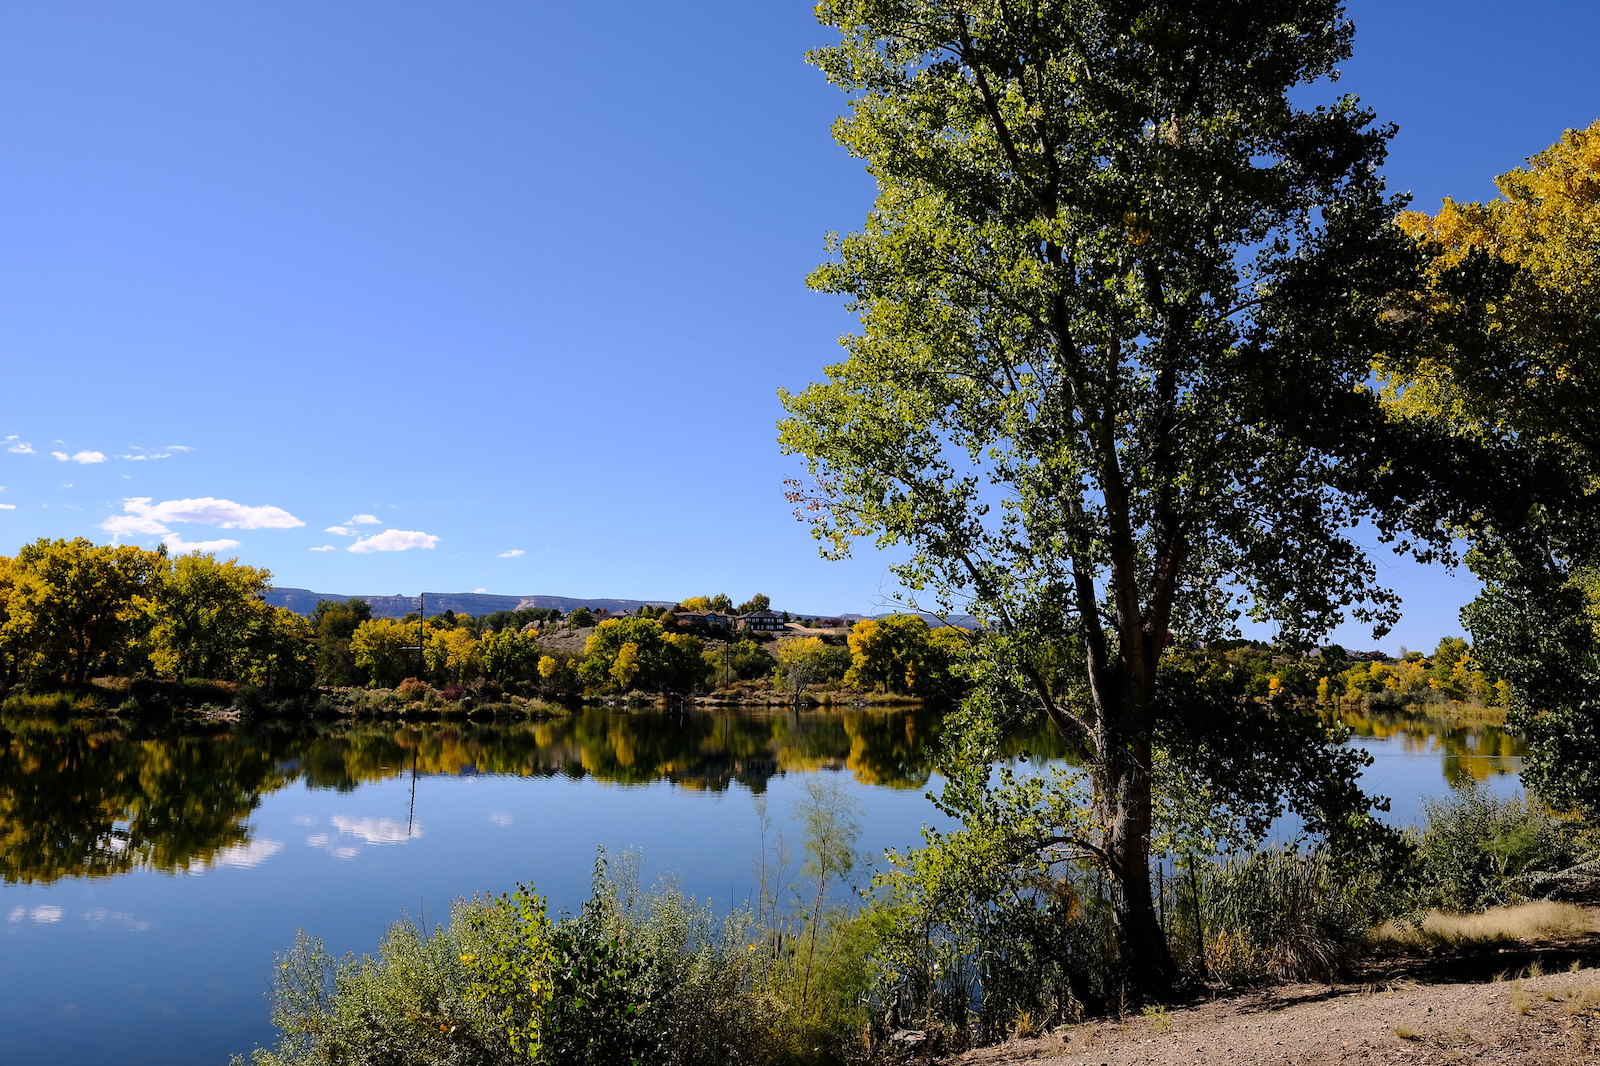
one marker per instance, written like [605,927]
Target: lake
[149,875]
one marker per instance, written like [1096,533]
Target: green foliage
[979,929]
[1478,851]
[1511,303]
[902,654]
[385,649]
[204,612]
[510,655]
[628,654]
[334,624]
[806,661]
[759,602]
[75,609]
[742,660]
[415,1002]
[630,979]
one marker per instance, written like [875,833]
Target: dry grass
[1522,923]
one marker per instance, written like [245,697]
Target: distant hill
[304,601]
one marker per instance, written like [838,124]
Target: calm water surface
[148,877]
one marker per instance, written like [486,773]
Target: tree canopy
[1512,305]
[1120,293]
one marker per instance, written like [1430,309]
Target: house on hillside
[761,622]
[707,619]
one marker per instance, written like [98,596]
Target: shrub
[1480,851]
[412,690]
[631,978]
[26,703]
[974,943]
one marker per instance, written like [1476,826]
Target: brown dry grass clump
[1522,923]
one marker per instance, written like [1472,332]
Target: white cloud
[8,507]
[240,856]
[79,457]
[480,590]
[322,840]
[394,540]
[179,448]
[513,553]
[324,548]
[20,448]
[178,546]
[343,528]
[501,818]
[132,525]
[142,458]
[102,916]
[44,913]
[376,830]
[210,511]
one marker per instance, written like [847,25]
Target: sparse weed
[1160,1021]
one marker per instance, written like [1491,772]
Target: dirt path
[1548,1020]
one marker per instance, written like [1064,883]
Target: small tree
[759,602]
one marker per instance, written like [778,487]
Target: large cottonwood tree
[1119,296]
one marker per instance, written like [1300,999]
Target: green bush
[976,946]
[632,978]
[1479,851]
[26,703]
[416,1002]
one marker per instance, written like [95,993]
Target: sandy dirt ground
[1545,1020]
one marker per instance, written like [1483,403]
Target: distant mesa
[304,601]
[477,604]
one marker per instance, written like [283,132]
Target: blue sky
[497,295]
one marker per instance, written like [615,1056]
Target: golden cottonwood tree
[77,609]
[1512,305]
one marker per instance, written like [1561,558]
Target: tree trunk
[1124,808]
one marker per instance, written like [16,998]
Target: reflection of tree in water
[94,799]
[1471,752]
[83,800]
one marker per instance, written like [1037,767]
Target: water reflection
[97,798]
[84,799]
[1469,752]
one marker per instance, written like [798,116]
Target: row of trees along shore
[73,610]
